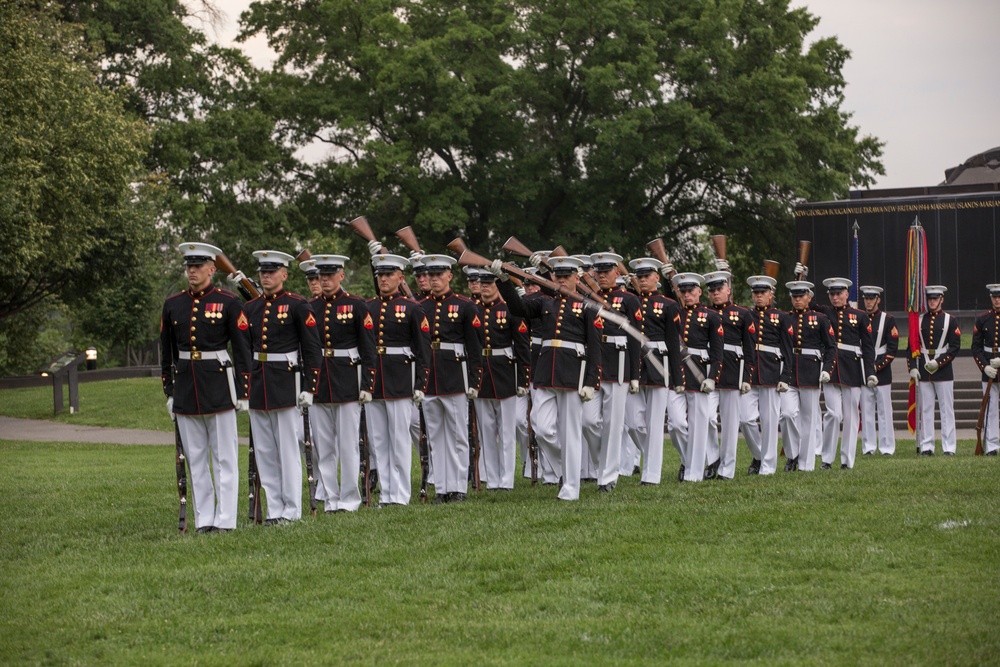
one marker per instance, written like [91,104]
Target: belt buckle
[796,350]
[435,345]
[380,349]
[328,352]
[195,355]
[556,343]
[262,356]
[487,351]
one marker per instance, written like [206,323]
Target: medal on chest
[283,312]
[213,311]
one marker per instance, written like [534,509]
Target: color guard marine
[940,340]
[853,368]
[986,352]
[771,371]
[813,350]
[204,385]
[702,333]
[346,382]
[876,402]
[282,325]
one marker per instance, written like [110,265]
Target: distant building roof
[982,168]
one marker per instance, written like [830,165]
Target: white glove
[824,377]
[708,386]
[721,265]
[234,279]
[364,398]
[579,271]
[665,270]
[915,374]
[679,389]
[521,392]
[170,406]
[418,397]
[414,254]
[872,381]
[782,387]
[745,388]
[633,386]
[931,366]
[801,270]
[305,399]
[520,291]
[374,247]
[995,362]
[472,393]
[991,372]
[535,259]
[587,393]
[496,268]
[242,405]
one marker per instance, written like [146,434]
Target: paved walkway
[40,430]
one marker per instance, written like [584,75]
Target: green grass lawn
[895,562]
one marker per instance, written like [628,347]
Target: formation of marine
[576,366]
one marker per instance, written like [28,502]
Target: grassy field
[896,562]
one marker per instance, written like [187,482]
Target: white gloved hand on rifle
[872,381]
[679,389]
[418,397]
[995,362]
[305,399]
[472,394]
[496,268]
[721,265]
[633,386]
[364,397]
[708,386]
[782,387]
[587,394]
[666,270]
[745,388]
[374,247]
[535,259]
[521,392]
[234,279]
[415,255]
[931,366]
[991,372]
[824,377]
[801,270]
[242,405]
[170,407]
[520,291]
[915,374]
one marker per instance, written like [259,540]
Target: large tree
[592,124]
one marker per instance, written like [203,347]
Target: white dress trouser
[336,427]
[876,408]
[603,422]
[646,412]
[447,421]
[841,420]
[750,420]
[389,436]
[279,466]
[497,429]
[991,436]
[723,435]
[629,452]
[945,394]
[521,431]
[799,419]
[698,418]
[210,447]
[556,416]
[764,402]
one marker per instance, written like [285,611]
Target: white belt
[579,348]
[218,355]
[457,348]
[933,353]
[807,351]
[498,352]
[405,350]
[856,349]
[287,357]
[992,350]
[770,348]
[350,352]
[615,340]
[536,340]
[736,349]
[658,345]
[698,352]
[882,350]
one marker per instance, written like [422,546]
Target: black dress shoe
[441,498]
[457,497]
[843,466]
[604,488]
[949,453]
[993,453]
[588,479]
[223,530]
[647,484]
[790,465]
[680,473]
[636,470]
[927,453]
[825,466]
[754,468]
[868,454]
[886,454]
[206,529]
[712,470]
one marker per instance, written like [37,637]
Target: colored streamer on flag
[852,294]
[916,303]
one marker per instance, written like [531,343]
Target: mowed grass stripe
[894,562]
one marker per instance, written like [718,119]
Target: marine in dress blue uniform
[283,330]
[986,352]
[204,385]
[940,340]
[876,402]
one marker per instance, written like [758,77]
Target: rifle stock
[409,239]
[250,290]
[424,451]
[771,268]
[474,446]
[307,447]
[719,245]
[982,417]
[364,230]
[659,251]
[179,461]
[804,247]
[366,465]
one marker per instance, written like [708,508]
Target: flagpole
[852,295]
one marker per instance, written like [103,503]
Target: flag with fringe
[916,303]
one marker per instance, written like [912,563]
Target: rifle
[587,285]
[307,447]
[659,251]
[424,451]
[474,446]
[804,247]
[249,290]
[982,418]
[532,446]
[179,461]
[719,245]
[366,466]
[364,230]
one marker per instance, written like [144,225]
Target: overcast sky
[922,77]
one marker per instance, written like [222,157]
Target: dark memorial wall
[963,235]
